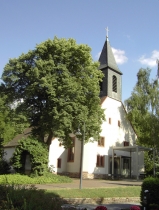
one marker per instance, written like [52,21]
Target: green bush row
[24,179]
[152,185]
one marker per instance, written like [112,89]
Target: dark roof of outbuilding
[107,59]
[14,141]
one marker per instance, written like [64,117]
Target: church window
[126,143]
[109,120]
[118,123]
[100,161]
[59,163]
[101,141]
[71,151]
[60,144]
[114,84]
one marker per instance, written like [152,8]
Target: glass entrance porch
[122,166]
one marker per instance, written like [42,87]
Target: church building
[115,153]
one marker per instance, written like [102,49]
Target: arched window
[114,83]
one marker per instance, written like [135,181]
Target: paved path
[90,183]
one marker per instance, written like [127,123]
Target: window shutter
[59,163]
[102,141]
[102,161]
[98,159]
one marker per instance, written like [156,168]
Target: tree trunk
[49,139]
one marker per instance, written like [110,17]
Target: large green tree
[143,112]
[59,84]
[143,108]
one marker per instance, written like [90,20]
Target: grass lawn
[29,198]
[130,191]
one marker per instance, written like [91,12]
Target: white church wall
[74,167]
[56,151]
[115,133]
[114,136]
[90,156]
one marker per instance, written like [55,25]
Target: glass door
[125,166]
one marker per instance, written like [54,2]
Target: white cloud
[98,55]
[118,54]
[151,61]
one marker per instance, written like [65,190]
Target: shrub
[24,179]
[4,165]
[27,198]
[38,155]
[152,185]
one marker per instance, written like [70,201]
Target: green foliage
[11,121]
[148,159]
[7,130]
[143,109]
[4,165]
[152,185]
[38,154]
[149,163]
[143,112]
[59,84]
[17,197]
[24,179]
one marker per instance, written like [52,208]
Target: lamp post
[81,157]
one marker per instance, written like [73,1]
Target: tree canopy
[143,108]
[11,121]
[143,112]
[59,84]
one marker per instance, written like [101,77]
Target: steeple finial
[107,33]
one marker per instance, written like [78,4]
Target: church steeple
[111,85]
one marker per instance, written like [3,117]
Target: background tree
[143,112]
[12,121]
[59,84]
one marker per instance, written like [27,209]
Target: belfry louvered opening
[114,84]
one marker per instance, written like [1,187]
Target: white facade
[115,130]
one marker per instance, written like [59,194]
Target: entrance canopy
[132,148]
[135,148]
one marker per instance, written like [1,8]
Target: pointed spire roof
[107,59]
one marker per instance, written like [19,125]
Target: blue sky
[133,30]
